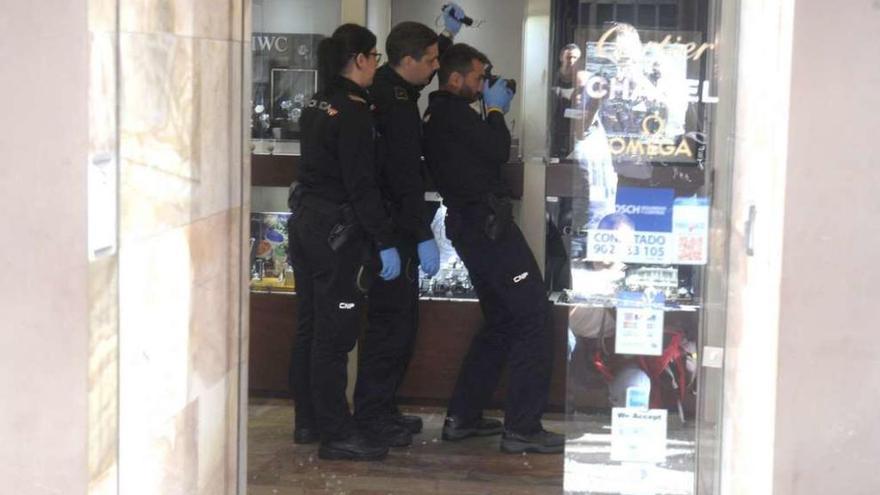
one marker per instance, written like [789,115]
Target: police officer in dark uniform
[339,224]
[393,311]
[465,153]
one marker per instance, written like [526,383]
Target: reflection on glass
[628,129]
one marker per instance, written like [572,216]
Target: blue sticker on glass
[637,397]
[650,210]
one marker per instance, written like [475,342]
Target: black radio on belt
[347,230]
[499,218]
[295,195]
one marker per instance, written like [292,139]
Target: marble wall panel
[210,248]
[103,376]
[179,128]
[157,102]
[155,314]
[106,483]
[102,92]
[182,249]
[234,396]
[213,19]
[102,16]
[178,446]
[238,128]
[214,416]
[238,284]
[218,83]
[180,333]
[162,458]
[210,329]
[187,272]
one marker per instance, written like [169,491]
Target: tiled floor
[589,470]
[276,466]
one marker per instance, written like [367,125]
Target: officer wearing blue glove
[465,153]
[339,223]
[429,255]
[393,311]
[453,15]
[497,97]
[390,264]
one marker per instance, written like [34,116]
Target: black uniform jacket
[399,127]
[464,152]
[338,155]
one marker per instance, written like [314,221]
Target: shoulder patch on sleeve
[357,99]
[400,93]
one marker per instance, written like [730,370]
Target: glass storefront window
[629,191]
[629,166]
[284,75]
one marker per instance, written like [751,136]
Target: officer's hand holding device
[390,264]
[497,95]
[493,78]
[454,17]
[429,257]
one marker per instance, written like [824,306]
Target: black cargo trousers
[329,315]
[387,346]
[517,328]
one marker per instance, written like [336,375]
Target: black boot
[305,435]
[353,448]
[539,442]
[387,432]
[456,429]
[412,423]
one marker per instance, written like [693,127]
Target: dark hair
[408,39]
[335,52]
[459,58]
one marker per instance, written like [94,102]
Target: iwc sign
[285,77]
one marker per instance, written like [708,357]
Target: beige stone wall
[827,438]
[170,300]
[758,144]
[181,248]
[43,260]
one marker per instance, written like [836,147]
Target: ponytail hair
[335,52]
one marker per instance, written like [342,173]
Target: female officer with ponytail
[338,216]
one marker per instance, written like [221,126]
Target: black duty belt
[464,202]
[322,206]
[499,217]
[488,199]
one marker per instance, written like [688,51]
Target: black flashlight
[467,21]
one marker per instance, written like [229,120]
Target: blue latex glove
[429,257]
[498,95]
[390,263]
[451,15]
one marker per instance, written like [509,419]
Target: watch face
[290,89]
[304,47]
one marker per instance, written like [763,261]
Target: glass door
[620,169]
[636,184]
